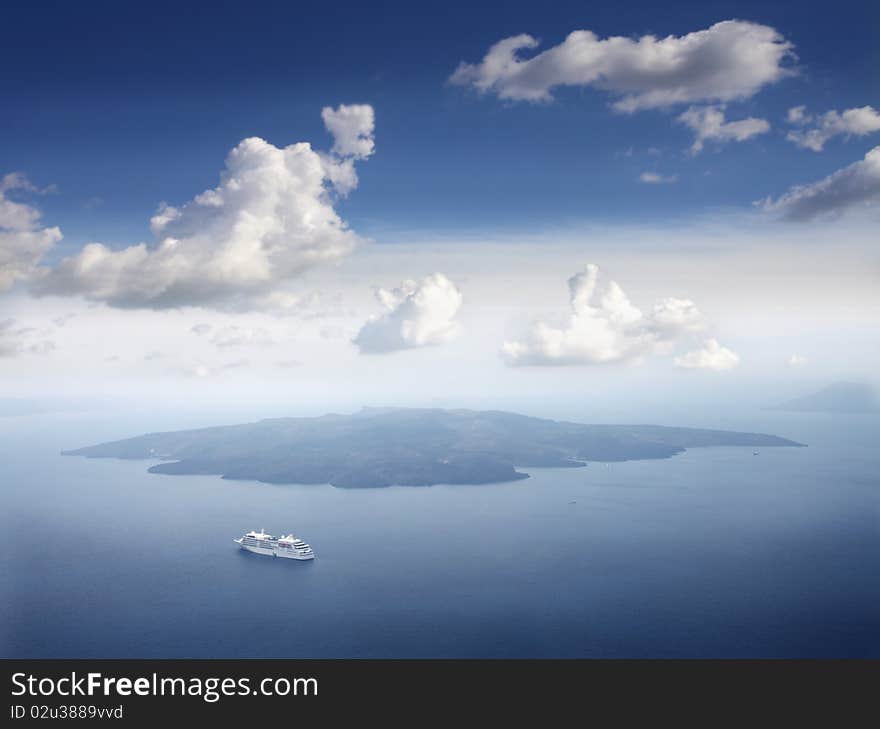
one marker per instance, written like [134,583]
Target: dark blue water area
[714,553]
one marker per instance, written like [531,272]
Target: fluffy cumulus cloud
[416,315]
[604,328]
[857,185]
[271,217]
[730,60]
[352,129]
[23,240]
[711,356]
[815,131]
[708,123]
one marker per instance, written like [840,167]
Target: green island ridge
[408,447]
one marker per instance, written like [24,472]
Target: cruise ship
[289,546]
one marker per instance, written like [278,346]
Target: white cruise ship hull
[300,556]
[275,551]
[255,550]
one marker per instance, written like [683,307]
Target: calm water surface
[717,552]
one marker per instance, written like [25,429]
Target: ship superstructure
[288,546]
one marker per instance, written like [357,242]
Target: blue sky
[125,105]
[435,233]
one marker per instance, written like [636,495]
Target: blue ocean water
[714,553]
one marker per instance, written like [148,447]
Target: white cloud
[16,339]
[850,187]
[9,344]
[655,178]
[203,371]
[61,321]
[796,115]
[797,360]
[340,173]
[23,242]
[44,346]
[313,305]
[817,130]
[241,336]
[331,332]
[707,123]
[416,315]
[711,356]
[730,60]
[352,128]
[606,331]
[271,217]
[197,371]
[233,335]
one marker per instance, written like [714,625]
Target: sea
[718,552]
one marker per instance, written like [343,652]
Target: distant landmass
[407,447]
[841,397]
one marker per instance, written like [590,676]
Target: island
[408,447]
